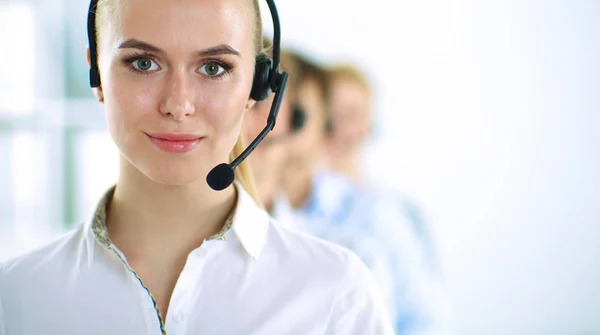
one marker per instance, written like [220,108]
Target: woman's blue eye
[145,65]
[212,69]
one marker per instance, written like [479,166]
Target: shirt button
[151,315]
[178,317]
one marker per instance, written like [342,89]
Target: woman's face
[306,146]
[349,108]
[176,77]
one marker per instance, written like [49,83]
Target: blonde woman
[163,252]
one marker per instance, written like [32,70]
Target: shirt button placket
[182,291]
[178,317]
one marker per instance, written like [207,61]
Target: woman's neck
[152,220]
[297,185]
[347,165]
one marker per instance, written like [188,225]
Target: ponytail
[243,173]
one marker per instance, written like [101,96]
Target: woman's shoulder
[43,259]
[333,270]
[306,251]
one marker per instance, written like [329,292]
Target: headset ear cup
[94,76]
[261,87]
[298,118]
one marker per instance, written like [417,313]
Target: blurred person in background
[163,252]
[333,206]
[269,158]
[349,119]
[350,124]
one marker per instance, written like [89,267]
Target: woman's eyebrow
[132,43]
[221,49]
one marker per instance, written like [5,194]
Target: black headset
[267,79]
[298,118]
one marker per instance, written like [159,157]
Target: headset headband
[93,44]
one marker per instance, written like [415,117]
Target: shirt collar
[247,220]
[250,223]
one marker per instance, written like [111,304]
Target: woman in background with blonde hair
[332,204]
[163,252]
[422,307]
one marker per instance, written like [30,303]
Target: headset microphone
[221,176]
[267,79]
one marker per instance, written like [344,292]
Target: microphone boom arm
[271,120]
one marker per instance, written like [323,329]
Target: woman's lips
[173,142]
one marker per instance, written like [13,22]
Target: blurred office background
[487,114]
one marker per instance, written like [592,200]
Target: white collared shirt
[258,278]
[381,228]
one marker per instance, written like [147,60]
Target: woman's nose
[179,97]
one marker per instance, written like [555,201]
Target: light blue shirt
[387,233]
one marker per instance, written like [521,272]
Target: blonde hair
[346,71]
[243,173]
[106,10]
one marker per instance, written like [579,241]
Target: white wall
[488,115]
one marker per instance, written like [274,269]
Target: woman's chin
[178,171]
[175,176]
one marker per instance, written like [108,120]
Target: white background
[488,116]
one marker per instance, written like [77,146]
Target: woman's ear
[96,90]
